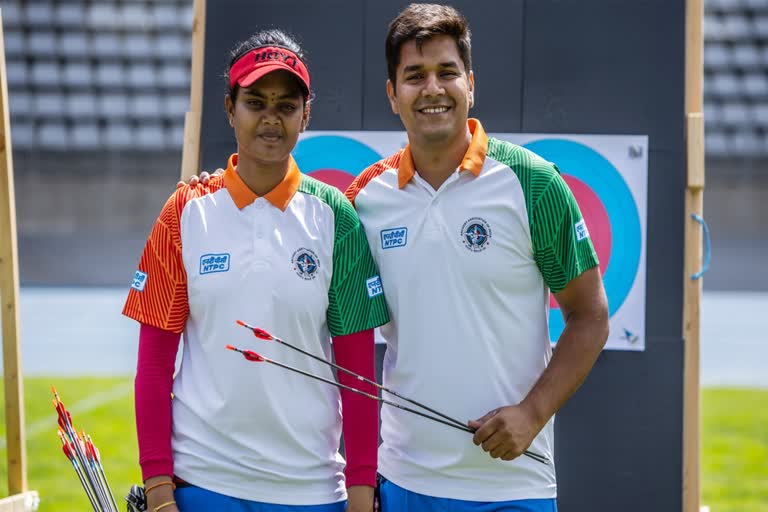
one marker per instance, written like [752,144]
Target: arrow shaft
[368,395]
[373,383]
[451,422]
[363,379]
[87,489]
[532,455]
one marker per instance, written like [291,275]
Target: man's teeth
[434,110]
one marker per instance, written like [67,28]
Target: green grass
[109,420]
[734,462]
[734,443]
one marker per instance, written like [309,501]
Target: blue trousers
[197,499]
[396,499]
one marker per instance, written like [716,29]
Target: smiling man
[471,235]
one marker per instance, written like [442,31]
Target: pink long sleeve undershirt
[154,383]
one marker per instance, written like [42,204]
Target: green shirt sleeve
[356,296]
[561,244]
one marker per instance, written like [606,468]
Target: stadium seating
[736,78]
[98,75]
[123,67]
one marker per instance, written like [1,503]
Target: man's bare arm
[506,432]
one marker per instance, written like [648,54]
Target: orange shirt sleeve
[158,295]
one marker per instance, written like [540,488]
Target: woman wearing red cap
[268,245]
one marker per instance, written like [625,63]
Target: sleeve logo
[395,237]
[581,230]
[210,263]
[374,287]
[139,281]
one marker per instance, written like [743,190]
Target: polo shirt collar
[279,196]
[473,159]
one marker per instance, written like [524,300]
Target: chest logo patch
[305,263]
[211,263]
[476,234]
[395,237]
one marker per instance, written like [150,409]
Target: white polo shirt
[468,269]
[294,262]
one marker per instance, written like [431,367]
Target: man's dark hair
[422,22]
[270,37]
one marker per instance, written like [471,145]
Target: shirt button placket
[259,248]
[432,225]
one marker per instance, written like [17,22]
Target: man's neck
[436,162]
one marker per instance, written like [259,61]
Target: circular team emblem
[305,263]
[476,234]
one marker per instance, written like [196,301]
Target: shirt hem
[490,494]
[262,495]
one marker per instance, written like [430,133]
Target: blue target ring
[334,152]
[606,182]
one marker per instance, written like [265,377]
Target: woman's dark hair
[269,37]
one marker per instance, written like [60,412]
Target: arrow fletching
[248,354]
[259,333]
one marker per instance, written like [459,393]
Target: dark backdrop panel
[618,67]
[618,440]
[331,33]
[598,66]
[664,257]
[551,66]
[497,50]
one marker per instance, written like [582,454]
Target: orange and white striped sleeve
[158,295]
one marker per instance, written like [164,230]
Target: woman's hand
[359,498]
[157,495]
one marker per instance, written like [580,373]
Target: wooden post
[694,204]
[9,299]
[190,157]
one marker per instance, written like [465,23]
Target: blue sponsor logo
[581,230]
[210,263]
[395,237]
[374,286]
[139,281]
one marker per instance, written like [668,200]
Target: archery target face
[611,214]
[608,177]
[334,159]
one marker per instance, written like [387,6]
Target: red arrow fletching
[252,356]
[89,450]
[68,451]
[248,354]
[262,334]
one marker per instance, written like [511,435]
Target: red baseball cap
[257,63]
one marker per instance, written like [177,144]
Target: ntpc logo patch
[139,281]
[374,286]
[581,230]
[210,263]
[395,237]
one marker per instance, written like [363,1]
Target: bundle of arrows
[85,459]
